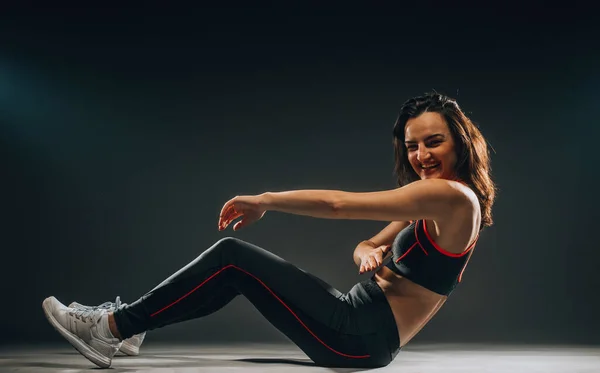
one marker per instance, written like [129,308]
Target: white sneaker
[80,328]
[130,346]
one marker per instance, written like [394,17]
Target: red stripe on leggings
[272,293]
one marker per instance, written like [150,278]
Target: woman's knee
[222,252]
[229,243]
[228,246]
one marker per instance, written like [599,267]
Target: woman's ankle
[112,325]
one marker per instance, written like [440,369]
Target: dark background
[123,132]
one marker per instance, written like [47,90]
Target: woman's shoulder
[447,202]
[458,190]
[463,224]
[465,189]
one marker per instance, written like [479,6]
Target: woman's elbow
[338,206]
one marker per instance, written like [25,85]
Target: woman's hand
[249,208]
[371,258]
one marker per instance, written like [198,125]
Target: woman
[444,200]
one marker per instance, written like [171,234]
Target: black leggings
[356,329]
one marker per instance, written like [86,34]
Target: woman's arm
[434,199]
[384,237]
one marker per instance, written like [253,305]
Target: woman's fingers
[228,216]
[226,207]
[373,259]
[372,263]
[223,221]
[230,219]
[243,223]
[232,216]
[239,225]
[223,214]
[379,258]
[364,265]
[375,262]
[229,207]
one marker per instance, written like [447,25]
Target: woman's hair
[473,161]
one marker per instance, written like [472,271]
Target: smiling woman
[433,138]
[430,146]
[434,219]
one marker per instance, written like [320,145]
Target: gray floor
[287,358]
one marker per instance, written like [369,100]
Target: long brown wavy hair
[473,159]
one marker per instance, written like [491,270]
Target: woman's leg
[332,328]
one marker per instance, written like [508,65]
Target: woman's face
[430,147]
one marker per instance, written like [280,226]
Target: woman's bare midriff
[412,305]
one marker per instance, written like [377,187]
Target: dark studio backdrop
[124,132]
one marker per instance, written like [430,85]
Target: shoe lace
[85,314]
[91,312]
[105,306]
[109,305]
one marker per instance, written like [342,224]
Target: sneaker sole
[88,352]
[129,349]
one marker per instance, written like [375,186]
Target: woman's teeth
[429,166]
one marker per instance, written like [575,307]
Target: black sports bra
[418,258]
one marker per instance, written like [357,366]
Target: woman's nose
[422,154]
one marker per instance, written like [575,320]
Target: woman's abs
[412,305]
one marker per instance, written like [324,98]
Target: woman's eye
[434,143]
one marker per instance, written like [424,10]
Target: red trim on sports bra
[464,267]
[273,294]
[447,253]
[406,253]
[417,238]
